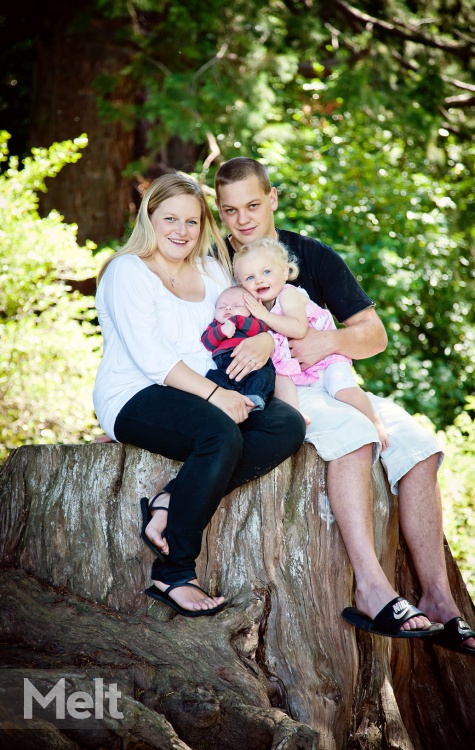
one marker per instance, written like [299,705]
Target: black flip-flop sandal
[455,632]
[146,506]
[388,622]
[163,596]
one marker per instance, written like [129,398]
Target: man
[246,203]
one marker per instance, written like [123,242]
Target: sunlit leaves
[49,347]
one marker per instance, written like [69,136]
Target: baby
[232,323]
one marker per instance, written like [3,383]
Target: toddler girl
[263,268]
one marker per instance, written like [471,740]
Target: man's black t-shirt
[324,275]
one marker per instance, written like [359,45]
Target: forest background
[363,113]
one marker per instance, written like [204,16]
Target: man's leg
[351,498]
[420,512]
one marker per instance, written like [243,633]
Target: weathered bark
[75,46]
[278,668]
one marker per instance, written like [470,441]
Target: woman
[155,298]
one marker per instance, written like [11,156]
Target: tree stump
[278,668]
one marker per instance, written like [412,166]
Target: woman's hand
[250,354]
[234,404]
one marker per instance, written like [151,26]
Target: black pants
[218,456]
[260,383]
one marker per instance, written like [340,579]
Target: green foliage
[457,480]
[347,180]
[366,158]
[49,347]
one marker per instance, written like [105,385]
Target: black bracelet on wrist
[214,389]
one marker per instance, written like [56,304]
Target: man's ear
[273,198]
[220,210]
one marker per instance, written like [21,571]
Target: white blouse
[146,331]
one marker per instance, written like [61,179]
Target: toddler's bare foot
[382,434]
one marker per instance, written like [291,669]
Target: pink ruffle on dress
[284,363]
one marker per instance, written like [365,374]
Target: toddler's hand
[228,328]
[256,307]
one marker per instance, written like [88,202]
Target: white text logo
[77,704]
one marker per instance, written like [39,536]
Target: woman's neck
[168,269]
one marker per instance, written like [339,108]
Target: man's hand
[228,328]
[363,336]
[250,354]
[315,346]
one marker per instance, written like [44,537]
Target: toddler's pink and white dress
[284,363]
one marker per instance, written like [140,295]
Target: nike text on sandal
[388,622]
[455,632]
[163,596]
[146,506]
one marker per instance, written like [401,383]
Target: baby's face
[230,302]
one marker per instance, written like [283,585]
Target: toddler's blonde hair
[280,251]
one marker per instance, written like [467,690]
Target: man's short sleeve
[325,276]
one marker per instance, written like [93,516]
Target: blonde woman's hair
[281,253]
[142,241]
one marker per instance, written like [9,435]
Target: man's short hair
[240,168]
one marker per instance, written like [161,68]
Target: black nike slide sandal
[389,620]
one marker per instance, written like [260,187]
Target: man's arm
[363,336]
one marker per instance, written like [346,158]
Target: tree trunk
[278,668]
[74,46]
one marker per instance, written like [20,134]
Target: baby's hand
[228,328]
[256,307]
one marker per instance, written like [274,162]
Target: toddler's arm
[293,323]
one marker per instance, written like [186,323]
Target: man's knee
[362,455]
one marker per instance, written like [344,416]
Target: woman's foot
[158,522]
[190,598]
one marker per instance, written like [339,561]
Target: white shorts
[337,429]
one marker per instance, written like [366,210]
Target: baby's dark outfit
[257,385]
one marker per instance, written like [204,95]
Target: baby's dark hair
[280,251]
